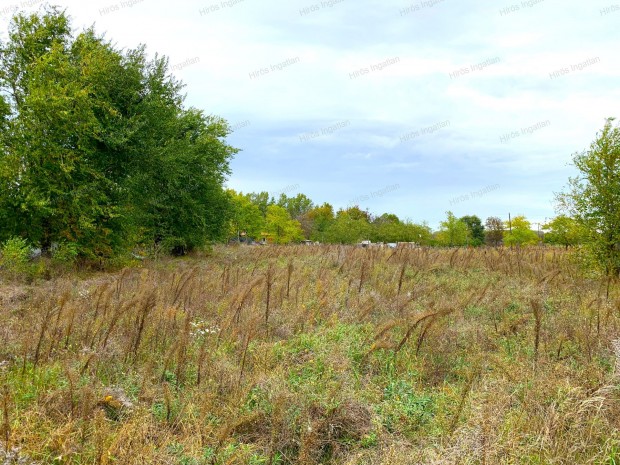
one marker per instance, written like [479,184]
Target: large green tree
[317,221]
[281,227]
[246,218]
[97,148]
[453,232]
[349,227]
[593,196]
[476,229]
[564,230]
[296,206]
[519,232]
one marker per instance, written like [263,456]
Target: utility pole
[510,226]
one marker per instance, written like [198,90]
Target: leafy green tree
[519,232]
[564,230]
[494,233]
[318,220]
[452,232]
[350,226]
[356,213]
[476,229]
[179,207]
[296,206]
[246,218]
[262,201]
[593,196]
[282,228]
[419,233]
[97,149]
[387,228]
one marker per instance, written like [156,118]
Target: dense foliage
[97,150]
[593,198]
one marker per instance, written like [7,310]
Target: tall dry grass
[328,354]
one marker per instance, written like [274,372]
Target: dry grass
[287,355]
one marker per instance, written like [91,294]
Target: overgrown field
[304,355]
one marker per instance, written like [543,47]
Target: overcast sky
[413,108]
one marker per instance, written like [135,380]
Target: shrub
[15,255]
[65,253]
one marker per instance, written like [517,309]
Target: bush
[15,255]
[66,253]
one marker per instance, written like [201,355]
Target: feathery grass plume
[6,421]
[71,379]
[167,401]
[102,305]
[244,354]
[240,300]
[44,324]
[403,269]
[120,280]
[114,320]
[225,279]
[182,283]
[69,327]
[56,331]
[366,308]
[463,398]
[268,284]
[182,349]
[145,305]
[363,272]
[537,310]
[414,325]
[453,257]
[289,270]
[422,335]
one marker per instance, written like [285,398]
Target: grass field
[304,355]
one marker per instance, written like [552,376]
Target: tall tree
[246,218]
[97,148]
[494,234]
[319,220]
[452,231]
[349,227]
[296,206]
[262,201]
[520,232]
[564,230]
[282,228]
[593,196]
[387,228]
[476,229]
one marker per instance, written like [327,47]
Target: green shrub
[15,255]
[66,253]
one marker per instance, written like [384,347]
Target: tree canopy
[593,196]
[97,149]
[519,232]
[453,231]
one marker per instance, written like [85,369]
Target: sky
[408,107]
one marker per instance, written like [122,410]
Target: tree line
[261,217]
